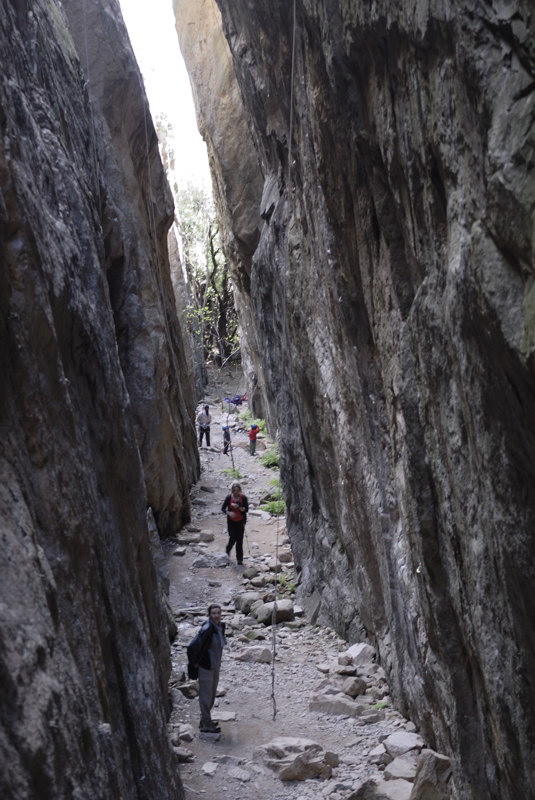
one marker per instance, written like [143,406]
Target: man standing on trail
[205,652]
[235,507]
[204,419]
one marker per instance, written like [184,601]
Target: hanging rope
[292,73]
[93,138]
[275,607]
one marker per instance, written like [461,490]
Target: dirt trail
[247,687]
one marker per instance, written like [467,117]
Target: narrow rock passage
[311,666]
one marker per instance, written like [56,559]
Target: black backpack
[196,649]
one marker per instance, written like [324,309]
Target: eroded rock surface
[93,421]
[389,308]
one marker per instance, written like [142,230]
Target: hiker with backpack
[235,507]
[204,663]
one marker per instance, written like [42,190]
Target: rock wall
[95,420]
[389,308]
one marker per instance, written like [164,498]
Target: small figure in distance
[204,419]
[235,507]
[253,433]
[226,439]
[204,657]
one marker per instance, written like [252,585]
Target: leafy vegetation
[271,457]
[210,315]
[285,584]
[234,472]
[274,507]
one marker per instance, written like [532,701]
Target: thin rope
[93,146]
[274,624]
[150,210]
[275,606]
[292,73]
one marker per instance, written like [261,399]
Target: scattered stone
[337,705]
[295,759]
[210,560]
[207,489]
[183,754]
[285,558]
[239,774]
[192,538]
[284,612]
[305,766]
[354,686]
[401,767]
[433,777]
[258,655]
[180,551]
[185,733]
[209,737]
[361,653]
[244,602]
[250,572]
[379,755]
[189,689]
[206,536]
[224,716]
[401,742]
[209,767]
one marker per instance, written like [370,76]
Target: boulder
[284,612]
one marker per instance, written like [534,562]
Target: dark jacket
[197,649]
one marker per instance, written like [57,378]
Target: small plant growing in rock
[285,584]
[381,704]
[271,457]
[234,472]
[274,507]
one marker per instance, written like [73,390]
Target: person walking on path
[226,439]
[204,419]
[253,433]
[205,652]
[235,507]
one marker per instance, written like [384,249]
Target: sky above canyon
[151,27]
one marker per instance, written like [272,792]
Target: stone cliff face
[390,315]
[94,424]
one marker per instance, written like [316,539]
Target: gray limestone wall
[95,420]
[389,309]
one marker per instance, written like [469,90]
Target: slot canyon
[373,170]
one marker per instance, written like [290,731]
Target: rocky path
[319,714]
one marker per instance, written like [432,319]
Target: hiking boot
[210,727]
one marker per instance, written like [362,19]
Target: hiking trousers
[208,680]
[204,432]
[236,531]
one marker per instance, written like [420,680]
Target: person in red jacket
[235,507]
[253,433]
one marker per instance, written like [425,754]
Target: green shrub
[234,472]
[271,457]
[275,507]
[286,585]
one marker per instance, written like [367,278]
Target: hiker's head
[206,408]
[235,488]
[214,612]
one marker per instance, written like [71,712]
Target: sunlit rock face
[393,304]
[94,421]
